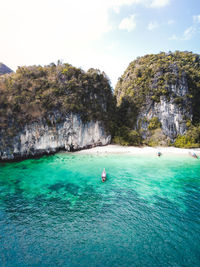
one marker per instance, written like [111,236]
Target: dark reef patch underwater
[55,211]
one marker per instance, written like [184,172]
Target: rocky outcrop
[4,69]
[173,111]
[40,138]
[46,109]
[160,92]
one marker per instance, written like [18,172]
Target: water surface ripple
[55,211]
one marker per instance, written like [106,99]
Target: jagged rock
[46,109]
[4,69]
[173,116]
[39,138]
[163,86]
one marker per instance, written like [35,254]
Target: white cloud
[173,37]
[40,32]
[152,25]
[196,19]
[112,46]
[116,4]
[170,22]
[189,33]
[128,23]
[126,2]
[192,30]
[159,3]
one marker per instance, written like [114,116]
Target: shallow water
[55,211]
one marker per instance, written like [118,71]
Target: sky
[102,34]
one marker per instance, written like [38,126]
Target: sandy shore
[116,149]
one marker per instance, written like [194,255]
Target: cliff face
[159,95]
[4,69]
[46,109]
[39,138]
[172,111]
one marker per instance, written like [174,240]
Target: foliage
[190,139]
[154,123]
[157,138]
[125,136]
[151,77]
[184,142]
[35,92]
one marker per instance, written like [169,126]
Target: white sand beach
[117,149]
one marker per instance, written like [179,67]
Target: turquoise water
[55,211]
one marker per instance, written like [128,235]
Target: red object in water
[194,155]
[103,175]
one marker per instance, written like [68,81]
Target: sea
[55,211]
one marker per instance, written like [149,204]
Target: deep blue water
[55,211]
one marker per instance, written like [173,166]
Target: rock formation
[161,92]
[46,109]
[39,138]
[51,108]
[4,69]
[172,114]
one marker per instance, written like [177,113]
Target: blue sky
[106,34]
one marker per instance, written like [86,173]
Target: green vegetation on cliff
[154,123]
[36,92]
[189,140]
[151,78]
[49,93]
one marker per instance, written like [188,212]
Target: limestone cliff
[39,138]
[159,96]
[46,109]
[172,114]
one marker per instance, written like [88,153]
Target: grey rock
[39,138]
[173,116]
[4,69]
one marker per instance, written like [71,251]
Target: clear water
[55,211]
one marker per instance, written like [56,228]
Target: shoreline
[116,149]
[134,150]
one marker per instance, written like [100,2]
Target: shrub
[184,142]
[120,141]
[157,138]
[35,92]
[154,123]
[126,136]
[190,139]
[151,77]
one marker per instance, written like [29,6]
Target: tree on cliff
[34,93]
[173,78]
